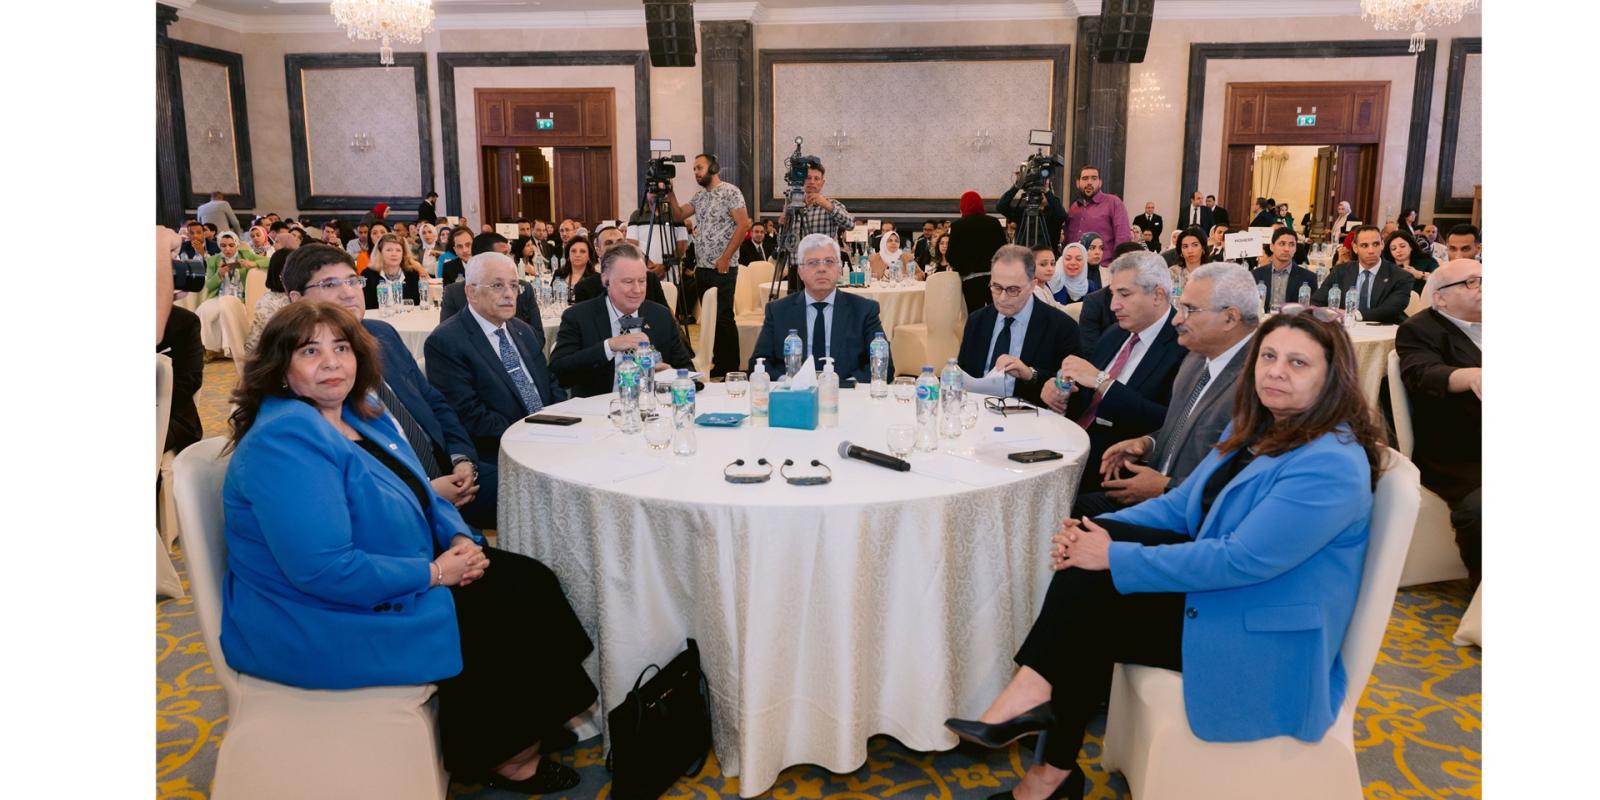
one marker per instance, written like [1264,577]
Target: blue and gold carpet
[1418,729]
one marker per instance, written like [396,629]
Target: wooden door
[501,202]
[535,185]
[584,179]
[1355,178]
[1324,206]
[1238,175]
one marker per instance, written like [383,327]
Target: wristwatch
[1100,379]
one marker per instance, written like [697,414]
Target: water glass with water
[901,439]
[905,389]
[736,384]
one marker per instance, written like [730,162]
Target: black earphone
[712,167]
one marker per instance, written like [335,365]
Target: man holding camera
[818,214]
[1014,208]
[721,222]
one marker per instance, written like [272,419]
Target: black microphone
[848,450]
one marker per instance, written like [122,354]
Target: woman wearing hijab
[973,241]
[1094,248]
[1073,279]
[890,252]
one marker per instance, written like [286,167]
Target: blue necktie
[1364,292]
[519,378]
[1002,343]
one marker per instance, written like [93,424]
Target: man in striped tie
[1215,318]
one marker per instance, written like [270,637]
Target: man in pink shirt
[1096,212]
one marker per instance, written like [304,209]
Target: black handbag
[662,730]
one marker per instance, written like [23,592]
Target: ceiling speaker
[1124,30]
[669,27]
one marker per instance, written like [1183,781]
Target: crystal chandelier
[1415,15]
[399,20]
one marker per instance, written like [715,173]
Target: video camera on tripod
[796,168]
[1034,175]
[659,172]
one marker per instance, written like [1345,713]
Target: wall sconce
[361,142]
[840,140]
[213,136]
[980,142]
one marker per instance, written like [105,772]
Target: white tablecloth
[897,305]
[1373,345]
[881,603]
[414,327]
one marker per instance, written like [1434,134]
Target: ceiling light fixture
[1416,16]
[385,20]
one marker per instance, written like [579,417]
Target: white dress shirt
[1473,330]
[1147,337]
[489,329]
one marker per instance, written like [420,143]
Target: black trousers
[725,352]
[1085,628]
[1093,504]
[522,675]
[1466,516]
[975,289]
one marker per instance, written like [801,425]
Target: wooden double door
[576,127]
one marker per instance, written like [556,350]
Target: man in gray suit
[219,213]
[1215,318]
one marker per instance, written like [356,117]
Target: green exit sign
[549,123]
[1305,121]
[527,179]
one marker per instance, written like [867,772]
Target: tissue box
[792,408]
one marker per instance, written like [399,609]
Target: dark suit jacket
[425,213]
[1191,441]
[1051,337]
[855,320]
[467,371]
[1181,219]
[1263,219]
[750,252]
[1219,216]
[455,299]
[1448,426]
[181,342]
[1094,319]
[1134,408]
[590,287]
[370,291]
[1298,276]
[579,358]
[1390,294]
[1151,223]
[973,240]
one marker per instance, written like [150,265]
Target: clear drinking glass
[901,439]
[658,430]
[736,384]
[969,414]
[905,389]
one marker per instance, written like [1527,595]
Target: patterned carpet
[1418,728]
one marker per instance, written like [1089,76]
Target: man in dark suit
[453,265]
[1095,318]
[1150,222]
[323,273]
[1196,214]
[590,287]
[830,322]
[488,363]
[1383,288]
[757,248]
[1219,215]
[1281,277]
[455,299]
[1016,335]
[1441,364]
[594,331]
[1266,213]
[1124,388]
[425,212]
[1215,319]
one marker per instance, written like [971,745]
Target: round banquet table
[897,304]
[414,327]
[1373,344]
[880,603]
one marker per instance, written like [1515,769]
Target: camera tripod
[1031,231]
[660,224]
[784,273]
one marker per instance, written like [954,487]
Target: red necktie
[1116,369]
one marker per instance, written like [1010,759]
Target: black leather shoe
[557,740]
[1070,789]
[549,777]
[1001,734]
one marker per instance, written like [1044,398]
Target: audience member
[1096,212]
[1441,364]
[577,262]
[607,237]
[230,265]
[1383,290]
[890,252]
[759,247]
[463,245]
[274,298]
[650,239]
[1281,276]
[1343,223]
[219,212]
[594,332]
[1202,575]
[425,210]
[1266,213]
[1095,317]
[1216,242]
[260,241]
[1405,253]
[369,245]
[1219,215]
[1464,241]
[1073,280]
[830,322]
[361,242]
[379,213]
[392,263]
[198,245]
[974,239]
[1407,222]
[1190,253]
[1151,222]
[1014,335]
[180,342]
[939,261]
[453,297]
[1196,214]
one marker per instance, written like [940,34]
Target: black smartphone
[1034,456]
[552,419]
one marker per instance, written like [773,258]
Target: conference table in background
[1373,344]
[898,304]
[880,603]
[415,325]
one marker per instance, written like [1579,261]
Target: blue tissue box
[791,408]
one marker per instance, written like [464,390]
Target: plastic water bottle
[794,353]
[683,443]
[383,298]
[646,355]
[878,352]
[927,410]
[1305,294]
[1335,297]
[828,395]
[1261,293]
[628,392]
[951,391]
[760,385]
[422,293]
[1351,308]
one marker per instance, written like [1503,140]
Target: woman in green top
[232,261]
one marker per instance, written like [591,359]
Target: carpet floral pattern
[1418,729]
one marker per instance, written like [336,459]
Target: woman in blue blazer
[1244,577]
[346,570]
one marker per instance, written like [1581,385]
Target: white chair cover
[708,331]
[1147,729]
[168,584]
[1434,555]
[255,285]
[670,289]
[938,337]
[1470,631]
[1418,304]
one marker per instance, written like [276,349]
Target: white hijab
[890,256]
[1076,287]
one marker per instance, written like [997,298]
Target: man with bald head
[486,362]
[1441,364]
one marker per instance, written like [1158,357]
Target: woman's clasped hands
[1081,544]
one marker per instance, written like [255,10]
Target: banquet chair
[938,337]
[708,332]
[1074,310]
[1147,734]
[168,584]
[1470,631]
[670,289]
[1434,555]
[255,285]
[1419,303]
[749,305]
[224,326]
[283,741]
[1105,274]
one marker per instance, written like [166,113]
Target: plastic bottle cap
[999,429]
[683,373]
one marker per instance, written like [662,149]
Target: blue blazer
[467,371]
[328,558]
[855,320]
[1270,582]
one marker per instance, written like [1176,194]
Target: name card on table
[506,229]
[875,224]
[857,234]
[1242,245]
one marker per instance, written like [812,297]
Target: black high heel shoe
[1070,789]
[1001,734]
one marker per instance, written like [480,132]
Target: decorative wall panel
[378,103]
[1469,132]
[208,124]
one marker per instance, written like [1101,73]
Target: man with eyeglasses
[830,322]
[1215,318]
[488,363]
[327,274]
[1123,389]
[1014,332]
[596,330]
[1383,289]
[1441,364]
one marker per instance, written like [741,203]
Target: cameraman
[1055,214]
[720,225]
[817,215]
